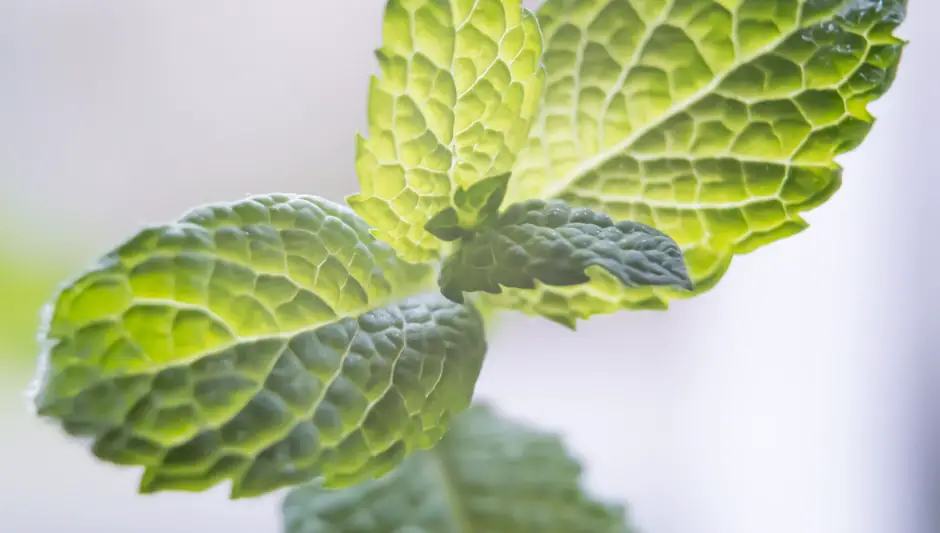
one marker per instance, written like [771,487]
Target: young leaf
[446,226]
[715,122]
[488,474]
[267,341]
[483,199]
[460,86]
[552,243]
[481,202]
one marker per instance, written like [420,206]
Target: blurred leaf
[267,341]
[488,475]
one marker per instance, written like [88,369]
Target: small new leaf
[459,87]
[268,342]
[476,206]
[480,203]
[446,226]
[488,474]
[552,243]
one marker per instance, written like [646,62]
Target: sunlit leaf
[459,88]
[714,122]
[268,342]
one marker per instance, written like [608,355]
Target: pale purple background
[798,396]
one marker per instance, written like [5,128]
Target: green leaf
[267,342]
[716,125]
[552,243]
[483,200]
[446,226]
[459,87]
[488,474]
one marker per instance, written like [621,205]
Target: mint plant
[598,156]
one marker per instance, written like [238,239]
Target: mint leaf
[552,243]
[717,123]
[267,342]
[446,226]
[488,474]
[482,200]
[459,88]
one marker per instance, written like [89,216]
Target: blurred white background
[797,396]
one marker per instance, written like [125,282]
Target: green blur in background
[31,269]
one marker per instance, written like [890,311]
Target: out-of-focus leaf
[488,475]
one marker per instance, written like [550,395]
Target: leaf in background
[266,341]
[552,243]
[459,89]
[488,474]
[716,125]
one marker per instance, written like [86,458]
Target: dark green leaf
[446,226]
[488,475]
[555,244]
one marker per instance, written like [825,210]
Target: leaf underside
[487,475]
[268,342]
[716,125]
[459,87]
[552,243]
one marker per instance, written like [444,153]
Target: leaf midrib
[458,513]
[244,339]
[557,187]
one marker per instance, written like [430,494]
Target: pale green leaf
[459,87]
[488,475]
[716,122]
[267,342]
[552,243]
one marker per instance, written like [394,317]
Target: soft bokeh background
[800,395]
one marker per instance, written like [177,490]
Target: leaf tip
[566,321]
[683,280]
[446,226]
[147,484]
[452,293]
[240,490]
[354,200]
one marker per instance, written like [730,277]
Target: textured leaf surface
[488,475]
[459,87]
[714,121]
[267,341]
[552,243]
